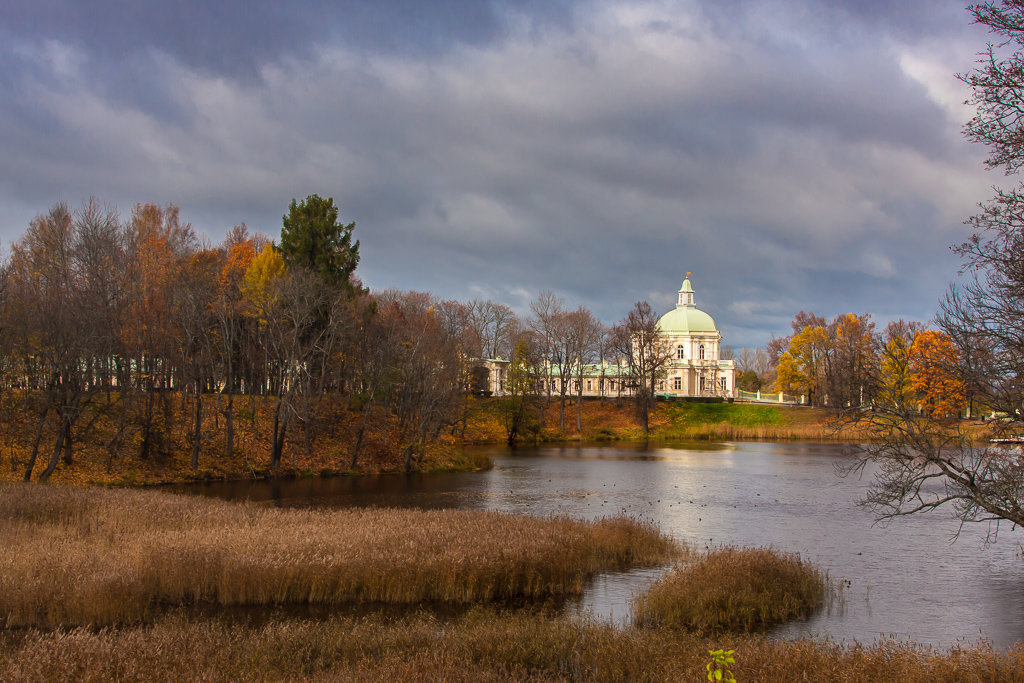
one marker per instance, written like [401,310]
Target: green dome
[686,319]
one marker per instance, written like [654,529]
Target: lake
[907,580]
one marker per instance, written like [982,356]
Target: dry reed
[732,589]
[95,556]
[481,645]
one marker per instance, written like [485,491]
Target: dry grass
[95,557]
[479,646]
[733,589]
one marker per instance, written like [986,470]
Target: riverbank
[106,453]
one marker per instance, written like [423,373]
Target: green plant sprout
[718,667]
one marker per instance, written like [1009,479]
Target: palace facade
[694,369]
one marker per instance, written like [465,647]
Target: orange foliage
[934,363]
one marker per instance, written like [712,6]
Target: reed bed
[482,645]
[733,589]
[98,557]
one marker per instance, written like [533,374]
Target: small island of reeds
[733,589]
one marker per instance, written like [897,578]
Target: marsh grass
[733,589]
[97,557]
[482,645]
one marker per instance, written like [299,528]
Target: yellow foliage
[800,367]
[258,284]
[897,387]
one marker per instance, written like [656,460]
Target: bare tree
[584,334]
[925,462]
[647,352]
[192,305]
[57,276]
[547,311]
[493,325]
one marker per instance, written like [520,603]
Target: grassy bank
[614,420]
[94,557]
[733,589]
[482,645]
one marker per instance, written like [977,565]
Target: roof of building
[686,317]
[686,320]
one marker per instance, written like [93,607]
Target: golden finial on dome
[687,274]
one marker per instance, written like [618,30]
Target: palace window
[702,352]
[680,352]
[590,385]
[677,384]
[702,387]
[722,384]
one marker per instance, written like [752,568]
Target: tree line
[847,363]
[106,317]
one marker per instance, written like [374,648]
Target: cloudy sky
[793,154]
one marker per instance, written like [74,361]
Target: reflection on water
[906,579]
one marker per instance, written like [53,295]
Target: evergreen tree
[313,238]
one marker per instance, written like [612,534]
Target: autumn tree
[935,373]
[520,409]
[852,367]
[155,241]
[230,310]
[802,367]
[428,380]
[895,388]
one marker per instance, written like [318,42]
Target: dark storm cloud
[237,37]
[797,156]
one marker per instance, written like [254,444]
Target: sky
[791,154]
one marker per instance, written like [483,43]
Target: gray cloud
[790,158]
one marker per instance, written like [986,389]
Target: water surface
[907,579]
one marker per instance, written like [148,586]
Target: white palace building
[696,368]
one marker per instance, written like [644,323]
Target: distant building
[695,369]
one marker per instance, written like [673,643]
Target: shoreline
[607,422]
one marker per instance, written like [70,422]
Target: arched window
[702,352]
[680,352]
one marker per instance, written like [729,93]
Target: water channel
[907,580]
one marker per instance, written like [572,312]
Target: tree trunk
[229,425]
[362,428]
[67,441]
[279,429]
[561,408]
[55,458]
[579,407]
[198,425]
[35,446]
